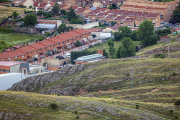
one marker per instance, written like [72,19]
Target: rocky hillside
[103,75]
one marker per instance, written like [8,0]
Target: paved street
[166,24]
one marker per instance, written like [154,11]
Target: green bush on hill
[5,30]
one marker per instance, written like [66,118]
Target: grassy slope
[36,106]
[7,11]
[16,38]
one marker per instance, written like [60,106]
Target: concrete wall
[54,61]
[15,68]
[25,65]
[8,79]
[85,26]
[100,34]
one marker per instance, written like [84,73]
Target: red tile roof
[111,16]
[128,13]
[102,14]
[153,15]
[74,34]
[94,12]
[80,10]
[27,49]
[93,29]
[61,6]
[47,42]
[52,3]
[56,39]
[128,6]
[120,12]
[37,45]
[114,11]
[115,27]
[154,8]
[101,9]
[82,31]
[11,54]
[42,4]
[129,20]
[35,3]
[144,14]
[120,18]
[140,7]
[65,36]
[136,14]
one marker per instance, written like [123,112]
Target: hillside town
[102,53]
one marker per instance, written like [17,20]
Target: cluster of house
[59,43]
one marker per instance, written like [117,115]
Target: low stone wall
[85,26]
[54,61]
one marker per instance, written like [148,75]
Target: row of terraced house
[61,43]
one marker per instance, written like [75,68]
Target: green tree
[146,33]
[112,51]
[134,35]
[134,24]
[15,14]
[110,42]
[176,14]
[71,15]
[122,32]
[40,12]
[30,7]
[126,48]
[55,33]
[69,28]
[63,11]
[77,44]
[30,19]
[56,8]
[62,28]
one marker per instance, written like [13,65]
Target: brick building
[58,43]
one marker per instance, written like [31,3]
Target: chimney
[44,38]
[25,45]
[34,41]
[70,30]
[61,32]
[53,35]
[100,51]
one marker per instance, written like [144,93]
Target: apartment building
[164,9]
[58,43]
[106,3]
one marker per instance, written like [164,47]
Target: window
[169,9]
[58,43]
[2,59]
[49,46]
[75,37]
[16,57]
[67,40]
[84,34]
[63,42]
[40,49]
[53,45]
[23,56]
[44,48]
[9,58]
[160,13]
[71,39]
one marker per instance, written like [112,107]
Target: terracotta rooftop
[47,42]
[42,4]
[144,14]
[64,36]
[155,8]
[129,13]
[120,18]
[129,20]
[52,3]
[93,29]
[11,54]
[80,10]
[56,39]
[136,14]
[101,9]
[115,27]
[114,11]
[94,12]
[102,14]
[37,45]
[152,15]
[74,34]
[111,16]
[120,12]
[128,6]
[27,49]
[82,31]
[140,6]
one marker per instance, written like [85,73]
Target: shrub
[173,74]
[171,111]
[53,105]
[75,112]
[176,117]
[127,74]
[172,40]
[93,35]
[159,55]
[177,103]
[77,117]
[6,30]
[137,106]
[58,94]
[115,87]
[41,39]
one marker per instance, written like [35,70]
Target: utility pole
[132,77]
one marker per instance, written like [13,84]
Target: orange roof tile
[65,36]
[72,33]
[27,49]
[37,45]
[11,54]
[82,31]
[56,39]
[47,42]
